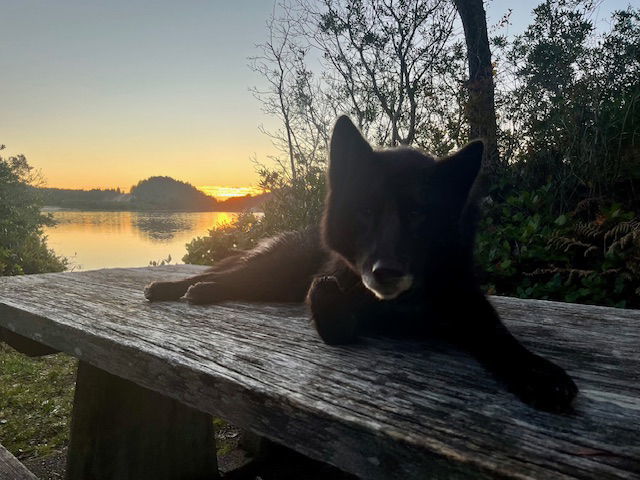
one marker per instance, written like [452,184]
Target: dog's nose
[386,271]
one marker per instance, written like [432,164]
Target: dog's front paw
[157,291]
[203,293]
[543,385]
[332,318]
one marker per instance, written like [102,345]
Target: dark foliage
[95,199]
[588,255]
[23,247]
[167,193]
[572,116]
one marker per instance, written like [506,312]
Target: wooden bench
[11,468]
[152,374]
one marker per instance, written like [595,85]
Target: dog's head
[394,214]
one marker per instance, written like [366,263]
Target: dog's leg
[173,290]
[340,309]
[535,380]
[157,291]
[278,270]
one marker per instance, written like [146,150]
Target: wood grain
[11,468]
[380,409]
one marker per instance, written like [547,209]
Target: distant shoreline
[127,208]
[164,194]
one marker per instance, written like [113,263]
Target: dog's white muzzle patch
[387,292]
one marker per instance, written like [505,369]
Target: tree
[385,54]
[23,247]
[276,64]
[291,95]
[390,64]
[394,66]
[480,109]
[573,107]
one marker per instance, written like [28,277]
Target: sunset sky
[105,93]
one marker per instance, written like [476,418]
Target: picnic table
[151,375]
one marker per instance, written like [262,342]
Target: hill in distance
[153,193]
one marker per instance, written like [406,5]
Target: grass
[36,395]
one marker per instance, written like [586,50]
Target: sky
[105,93]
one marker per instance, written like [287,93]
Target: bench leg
[123,431]
[258,447]
[25,345]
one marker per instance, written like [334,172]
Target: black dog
[394,254]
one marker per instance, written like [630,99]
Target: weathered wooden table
[151,375]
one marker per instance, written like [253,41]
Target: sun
[222,193]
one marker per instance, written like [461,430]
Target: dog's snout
[385,271]
[387,279]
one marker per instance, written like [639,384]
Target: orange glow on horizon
[222,193]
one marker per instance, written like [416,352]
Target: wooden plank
[380,409]
[11,468]
[25,345]
[122,431]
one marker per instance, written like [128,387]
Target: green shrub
[23,247]
[590,255]
[225,240]
[293,204]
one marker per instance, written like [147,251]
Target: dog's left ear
[460,169]
[349,152]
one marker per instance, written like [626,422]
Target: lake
[127,239]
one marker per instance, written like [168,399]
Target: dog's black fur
[394,255]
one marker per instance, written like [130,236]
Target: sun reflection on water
[128,239]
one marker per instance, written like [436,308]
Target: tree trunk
[480,109]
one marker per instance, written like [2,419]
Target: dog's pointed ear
[348,150]
[460,169]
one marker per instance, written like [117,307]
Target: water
[127,239]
